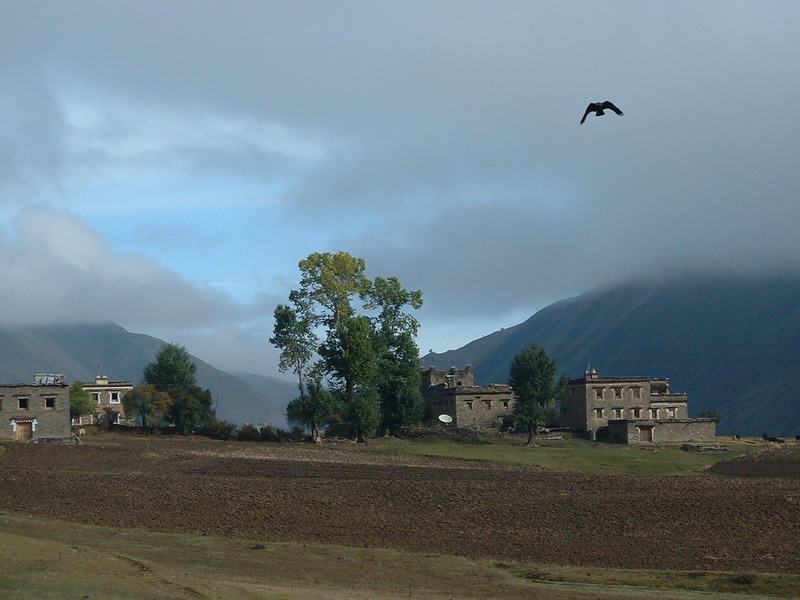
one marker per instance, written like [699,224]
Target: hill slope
[83,351]
[733,344]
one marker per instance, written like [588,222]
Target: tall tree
[333,294]
[172,367]
[294,335]
[532,377]
[146,403]
[397,354]
[80,402]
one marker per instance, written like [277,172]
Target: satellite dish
[445,418]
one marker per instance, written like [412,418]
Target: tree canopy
[80,401]
[146,403]
[172,367]
[362,337]
[532,377]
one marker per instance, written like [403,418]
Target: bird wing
[610,106]
[589,109]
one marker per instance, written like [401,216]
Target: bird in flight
[599,108]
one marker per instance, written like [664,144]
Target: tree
[397,355]
[146,402]
[712,414]
[80,402]
[190,408]
[334,293]
[172,367]
[311,409]
[532,377]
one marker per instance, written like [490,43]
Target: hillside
[732,344]
[83,351]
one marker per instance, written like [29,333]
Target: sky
[166,165]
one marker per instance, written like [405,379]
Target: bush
[219,430]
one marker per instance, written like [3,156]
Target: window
[637,392]
[653,413]
[637,413]
[96,397]
[49,401]
[469,404]
[598,392]
[598,413]
[1,403]
[23,402]
[617,392]
[488,404]
[670,413]
[114,397]
[617,413]
[505,403]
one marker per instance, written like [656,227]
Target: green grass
[574,454]
[46,559]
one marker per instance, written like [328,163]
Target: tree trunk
[531,443]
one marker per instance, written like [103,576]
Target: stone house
[108,396]
[35,411]
[454,393]
[632,410]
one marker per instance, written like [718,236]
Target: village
[627,410]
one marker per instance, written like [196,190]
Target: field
[499,523]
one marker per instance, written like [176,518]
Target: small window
[637,392]
[23,402]
[505,403]
[598,392]
[469,404]
[114,397]
[617,392]
[637,413]
[617,413]
[488,404]
[670,413]
[50,402]
[598,413]
[653,413]
[96,397]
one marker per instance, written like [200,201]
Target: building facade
[632,410]
[108,397]
[454,393]
[35,411]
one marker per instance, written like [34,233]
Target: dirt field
[328,495]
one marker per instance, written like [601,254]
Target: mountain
[83,351]
[731,343]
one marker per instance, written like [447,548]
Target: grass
[574,454]
[46,559]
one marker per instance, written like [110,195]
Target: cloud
[57,269]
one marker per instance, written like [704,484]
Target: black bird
[599,108]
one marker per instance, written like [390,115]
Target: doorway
[24,430]
[645,434]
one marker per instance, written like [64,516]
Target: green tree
[190,408]
[80,402]
[311,409]
[351,363]
[172,367]
[147,403]
[333,296]
[398,377]
[712,414]
[532,377]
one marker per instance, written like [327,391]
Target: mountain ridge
[732,343]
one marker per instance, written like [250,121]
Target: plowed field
[327,495]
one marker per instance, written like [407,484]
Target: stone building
[35,411]
[108,396]
[632,410]
[454,393]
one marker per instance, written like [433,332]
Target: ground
[734,520]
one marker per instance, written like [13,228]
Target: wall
[46,422]
[663,431]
